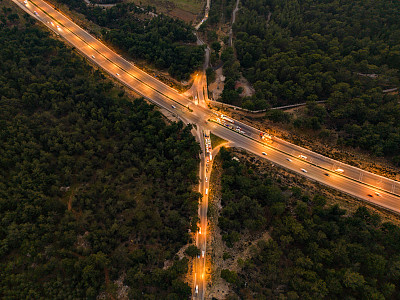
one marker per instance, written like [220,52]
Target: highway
[378,190]
[199,284]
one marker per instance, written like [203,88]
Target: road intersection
[369,187]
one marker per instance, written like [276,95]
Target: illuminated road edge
[355,182]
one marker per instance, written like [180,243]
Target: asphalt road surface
[364,185]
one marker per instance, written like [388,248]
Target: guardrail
[221,104]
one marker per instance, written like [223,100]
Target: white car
[206,179]
[26,2]
[206,191]
[117,74]
[173,106]
[288,159]
[199,230]
[304,170]
[202,253]
[93,57]
[379,195]
[58,26]
[263,153]
[303,156]
[196,290]
[35,12]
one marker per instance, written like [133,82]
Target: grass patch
[216,140]
[192,6]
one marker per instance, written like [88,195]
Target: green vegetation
[161,40]
[192,251]
[231,70]
[345,52]
[311,49]
[220,11]
[248,200]
[216,140]
[192,6]
[92,186]
[316,251]
[229,276]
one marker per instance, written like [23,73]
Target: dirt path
[233,21]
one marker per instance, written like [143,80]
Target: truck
[227,119]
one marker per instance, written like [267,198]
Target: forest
[295,51]
[94,187]
[316,251]
[167,43]
[344,52]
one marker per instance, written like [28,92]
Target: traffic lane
[327,163]
[349,171]
[200,238]
[322,161]
[334,180]
[81,33]
[89,47]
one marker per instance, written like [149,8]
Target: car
[202,253]
[303,156]
[173,106]
[93,57]
[339,170]
[369,195]
[263,153]
[206,179]
[26,2]
[58,26]
[288,159]
[199,230]
[304,170]
[117,74]
[326,174]
[379,195]
[208,160]
[52,23]
[196,290]
[206,191]
[35,12]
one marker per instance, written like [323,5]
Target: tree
[192,251]
[216,46]
[229,276]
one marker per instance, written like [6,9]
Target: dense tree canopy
[92,186]
[345,52]
[166,42]
[308,47]
[316,251]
